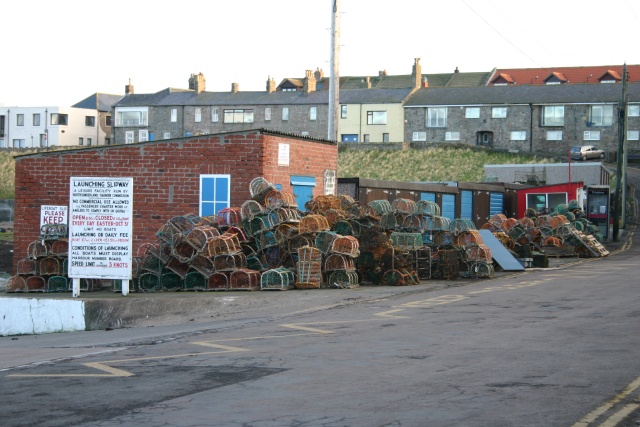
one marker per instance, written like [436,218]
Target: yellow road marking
[443,299]
[619,416]
[591,416]
[389,315]
[307,328]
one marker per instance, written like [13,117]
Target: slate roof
[589,74]
[527,94]
[98,101]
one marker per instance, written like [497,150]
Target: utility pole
[334,86]
[620,194]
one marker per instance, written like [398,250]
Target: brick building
[175,177]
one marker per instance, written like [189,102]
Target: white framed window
[59,119]
[633,110]
[89,141]
[554,135]
[197,115]
[143,135]
[499,112]
[90,121]
[591,135]
[385,137]
[419,136]
[238,116]
[518,135]
[167,135]
[553,115]
[174,115]
[633,135]
[215,194]
[132,116]
[436,117]
[452,136]
[343,111]
[267,114]
[601,115]
[36,119]
[285,113]
[313,112]
[81,141]
[376,117]
[19,119]
[128,137]
[472,113]
[366,137]
[215,118]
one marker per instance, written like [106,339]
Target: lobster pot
[374,238]
[229,217]
[210,220]
[284,215]
[343,279]
[345,245]
[309,274]
[543,221]
[324,240]
[266,240]
[16,284]
[443,238]
[309,254]
[239,233]
[347,227]
[203,265]
[275,199]
[312,224]
[230,262]
[250,209]
[558,220]
[167,233]
[481,270]
[345,200]
[195,281]
[526,223]
[427,238]
[321,204]
[563,230]
[36,284]
[360,210]
[37,249]
[300,241]
[136,266]
[227,243]
[278,278]
[244,280]
[178,267]
[59,248]
[478,253]
[426,207]
[422,258]
[440,223]
[335,262]
[414,223]
[57,284]
[87,285]
[462,225]
[257,225]
[405,206]
[181,224]
[284,232]
[551,241]
[508,242]
[152,264]
[257,262]
[183,251]
[517,231]
[27,266]
[508,223]
[380,207]
[170,281]
[160,250]
[53,231]
[218,281]
[400,277]
[49,266]
[116,285]
[497,219]
[258,188]
[391,221]
[274,257]
[448,264]
[406,241]
[65,267]
[149,282]
[468,238]
[199,236]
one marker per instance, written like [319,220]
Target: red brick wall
[43,179]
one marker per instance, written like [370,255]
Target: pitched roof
[573,75]
[98,101]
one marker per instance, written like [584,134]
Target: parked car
[585,152]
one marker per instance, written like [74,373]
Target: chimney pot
[235,87]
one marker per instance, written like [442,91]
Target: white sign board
[283,154]
[53,215]
[100,230]
[329,182]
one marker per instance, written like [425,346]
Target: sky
[56,53]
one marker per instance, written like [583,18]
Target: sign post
[100,230]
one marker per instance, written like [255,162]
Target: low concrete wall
[40,316]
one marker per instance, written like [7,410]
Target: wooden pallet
[591,243]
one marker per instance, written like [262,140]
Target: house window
[36,119]
[19,143]
[545,202]
[267,114]
[436,117]
[313,111]
[238,116]
[365,137]
[198,115]
[376,117]
[107,141]
[591,135]
[215,118]
[472,113]
[601,115]
[19,119]
[174,115]
[452,136]
[385,137]
[633,135]
[59,119]
[80,141]
[304,133]
[633,110]
[343,111]
[128,139]
[132,116]
[554,135]
[143,135]
[89,141]
[518,135]
[166,135]
[499,113]
[90,121]
[107,120]
[419,136]
[553,115]
[285,113]
[215,194]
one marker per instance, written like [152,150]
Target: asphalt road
[544,348]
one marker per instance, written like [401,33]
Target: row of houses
[532,110]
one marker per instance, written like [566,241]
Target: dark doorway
[484,139]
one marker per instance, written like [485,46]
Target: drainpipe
[531,128]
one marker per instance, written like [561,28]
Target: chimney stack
[271,85]
[128,89]
[368,81]
[382,73]
[416,73]
[425,82]
[197,82]
[309,82]
[319,74]
[235,87]
[456,70]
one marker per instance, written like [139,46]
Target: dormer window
[556,79]
[610,77]
[503,79]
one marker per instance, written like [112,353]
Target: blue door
[496,203]
[349,137]
[303,189]
[430,197]
[215,193]
[466,204]
[449,206]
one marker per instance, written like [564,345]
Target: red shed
[548,196]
